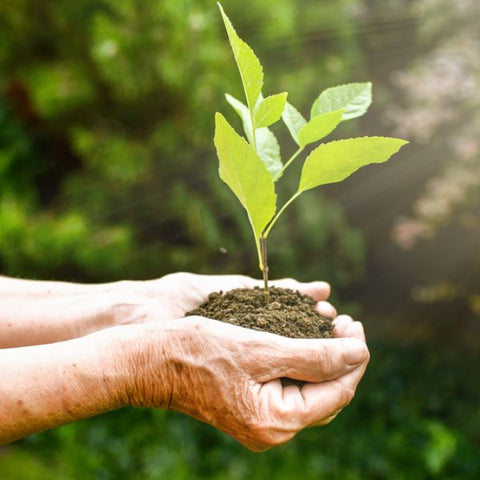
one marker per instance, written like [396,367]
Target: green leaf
[265,141]
[354,98]
[294,120]
[319,127]
[243,113]
[245,173]
[269,150]
[270,110]
[333,162]
[249,66]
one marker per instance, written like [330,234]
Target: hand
[228,376]
[175,294]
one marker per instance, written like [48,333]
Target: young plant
[251,166]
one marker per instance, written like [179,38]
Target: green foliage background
[108,168]
[107,171]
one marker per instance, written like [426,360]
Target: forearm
[218,373]
[33,289]
[33,313]
[49,385]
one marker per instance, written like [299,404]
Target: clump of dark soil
[288,313]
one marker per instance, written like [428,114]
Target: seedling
[252,165]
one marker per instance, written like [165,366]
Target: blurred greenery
[106,120]
[107,171]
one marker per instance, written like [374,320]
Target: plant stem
[263,244]
[253,133]
[290,160]
[274,220]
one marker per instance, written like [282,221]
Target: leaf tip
[219,118]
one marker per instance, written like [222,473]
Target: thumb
[309,360]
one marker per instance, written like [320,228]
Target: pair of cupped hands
[229,376]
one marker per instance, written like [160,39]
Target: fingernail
[354,351]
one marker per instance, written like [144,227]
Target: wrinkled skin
[74,351]
[228,377]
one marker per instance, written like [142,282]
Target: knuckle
[323,358]
[367,355]
[177,278]
[268,435]
[358,326]
[328,420]
[347,394]
[333,310]
[255,447]
[325,421]
[272,438]
[267,439]
[284,412]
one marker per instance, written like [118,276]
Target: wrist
[105,310]
[135,357]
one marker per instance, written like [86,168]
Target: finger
[326,309]
[325,421]
[341,322]
[319,291]
[296,409]
[313,404]
[309,360]
[317,404]
[323,401]
[345,326]
[294,402]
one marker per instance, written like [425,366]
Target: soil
[289,313]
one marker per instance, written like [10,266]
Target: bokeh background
[107,171]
